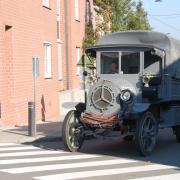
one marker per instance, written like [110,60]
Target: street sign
[35,67]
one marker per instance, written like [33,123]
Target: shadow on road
[167,151]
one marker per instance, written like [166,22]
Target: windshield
[120,62]
[109,62]
[130,62]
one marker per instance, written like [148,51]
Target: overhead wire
[166,24]
[165,15]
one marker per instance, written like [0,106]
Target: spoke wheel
[72,132]
[146,134]
[176,130]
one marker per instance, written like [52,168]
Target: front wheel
[146,134]
[72,132]
[176,130]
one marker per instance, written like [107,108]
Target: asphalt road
[98,160]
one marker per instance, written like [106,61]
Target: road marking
[161,177]
[29,153]
[9,144]
[46,159]
[66,166]
[106,172]
[18,148]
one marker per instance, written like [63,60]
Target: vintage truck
[136,91]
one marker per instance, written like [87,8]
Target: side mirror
[85,73]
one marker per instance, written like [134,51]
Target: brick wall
[30,24]
[77,30]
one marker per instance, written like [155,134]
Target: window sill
[60,79]
[46,7]
[48,77]
[77,20]
[59,41]
[47,42]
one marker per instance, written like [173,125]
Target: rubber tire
[177,132]
[128,138]
[138,141]
[65,133]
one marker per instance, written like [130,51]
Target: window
[109,62]
[58,20]
[45,3]
[59,56]
[58,30]
[77,59]
[76,9]
[130,62]
[87,8]
[58,6]
[87,11]
[152,63]
[47,59]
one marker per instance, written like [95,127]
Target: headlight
[126,95]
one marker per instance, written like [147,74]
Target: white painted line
[8,144]
[161,177]
[29,153]
[18,148]
[106,172]
[46,159]
[66,166]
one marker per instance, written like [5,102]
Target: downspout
[67,42]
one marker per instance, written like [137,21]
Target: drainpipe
[67,42]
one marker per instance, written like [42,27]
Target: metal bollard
[31,119]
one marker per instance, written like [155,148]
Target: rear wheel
[146,134]
[176,130]
[72,132]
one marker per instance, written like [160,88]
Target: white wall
[68,100]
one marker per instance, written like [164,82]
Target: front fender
[140,107]
[134,111]
[80,108]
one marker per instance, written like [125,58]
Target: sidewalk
[46,131]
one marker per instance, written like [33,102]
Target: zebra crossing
[47,164]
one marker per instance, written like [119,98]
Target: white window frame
[58,7]
[47,60]
[78,56]
[76,9]
[45,3]
[59,60]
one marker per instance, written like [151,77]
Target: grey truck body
[154,54]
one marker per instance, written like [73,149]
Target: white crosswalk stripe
[46,159]
[67,166]
[29,153]
[161,177]
[62,165]
[8,144]
[18,148]
[86,174]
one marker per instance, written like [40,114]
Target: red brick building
[52,30]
